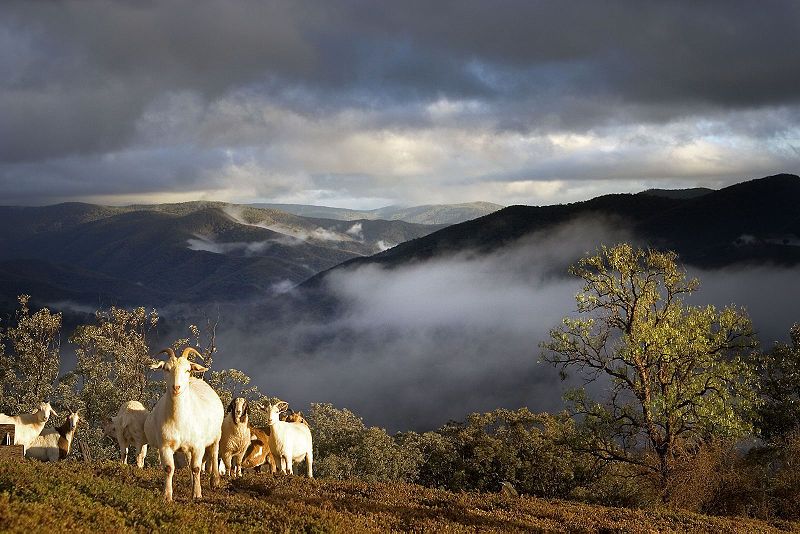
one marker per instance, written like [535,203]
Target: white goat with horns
[288,442]
[188,418]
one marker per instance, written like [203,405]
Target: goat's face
[296,417]
[275,411]
[73,420]
[178,371]
[45,411]
[239,410]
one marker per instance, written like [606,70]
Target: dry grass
[108,497]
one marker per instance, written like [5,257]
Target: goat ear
[230,406]
[157,365]
[197,367]
[246,407]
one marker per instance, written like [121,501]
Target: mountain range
[188,252]
[428,214]
[217,252]
[757,221]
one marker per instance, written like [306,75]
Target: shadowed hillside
[188,252]
[755,221]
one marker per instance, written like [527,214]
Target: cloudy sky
[363,104]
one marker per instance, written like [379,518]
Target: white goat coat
[27,426]
[129,427]
[190,422]
[288,443]
[234,442]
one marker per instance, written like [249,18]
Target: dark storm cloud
[82,79]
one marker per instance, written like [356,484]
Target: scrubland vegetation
[696,418]
[107,497]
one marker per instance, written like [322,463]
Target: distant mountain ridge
[692,192]
[216,252]
[752,222]
[186,252]
[426,214]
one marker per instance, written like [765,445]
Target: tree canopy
[677,374]
[779,369]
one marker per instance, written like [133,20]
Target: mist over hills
[450,318]
[454,319]
[444,214]
[187,252]
[754,221]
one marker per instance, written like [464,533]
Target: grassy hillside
[107,497]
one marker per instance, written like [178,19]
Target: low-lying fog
[434,341]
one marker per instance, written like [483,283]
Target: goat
[295,417]
[128,427]
[28,425]
[54,444]
[258,452]
[235,435]
[288,442]
[188,418]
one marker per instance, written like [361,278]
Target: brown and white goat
[54,444]
[295,417]
[258,452]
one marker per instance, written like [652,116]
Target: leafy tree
[531,451]
[113,361]
[779,369]
[30,368]
[231,383]
[202,340]
[676,373]
[7,378]
[346,448]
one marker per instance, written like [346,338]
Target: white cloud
[356,231]
[253,248]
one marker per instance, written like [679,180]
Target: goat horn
[169,352]
[188,351]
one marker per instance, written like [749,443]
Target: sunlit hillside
[107,497]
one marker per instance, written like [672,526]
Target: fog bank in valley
[425,343]
[422,344]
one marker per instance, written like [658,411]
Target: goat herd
[188,423]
